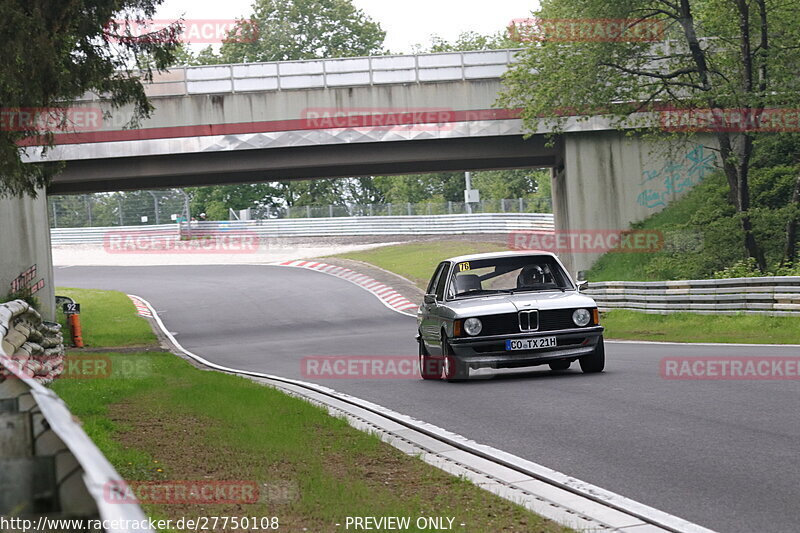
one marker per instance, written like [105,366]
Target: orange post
[75,326]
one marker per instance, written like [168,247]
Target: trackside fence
[325,227]
[49,468]
[776,295]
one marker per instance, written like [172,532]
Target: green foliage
[702,234]
[469,40]
[281,30]
[55,51]
[718,55]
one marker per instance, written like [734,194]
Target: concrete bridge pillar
[608,180]
[25,256]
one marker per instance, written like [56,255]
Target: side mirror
[429,299]
[583,284]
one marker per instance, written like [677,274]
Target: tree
[720,59]
[55,51]
[470,40]
[283,30]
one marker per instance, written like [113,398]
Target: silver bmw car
[506,310]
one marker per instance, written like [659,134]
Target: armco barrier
[777,295]
[335,226]
[49,468]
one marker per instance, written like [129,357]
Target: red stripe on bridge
[201,130]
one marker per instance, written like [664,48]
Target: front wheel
[596,361]
[452,368]
[429,368]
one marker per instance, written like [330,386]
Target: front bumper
[490,352]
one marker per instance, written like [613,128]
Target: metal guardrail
[55,470]
[326,227]
[776,295]
[322,73]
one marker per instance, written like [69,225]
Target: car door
[430,321]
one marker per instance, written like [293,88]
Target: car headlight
[472,326]
[581,317]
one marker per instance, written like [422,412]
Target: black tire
[596,361]
[452,368]
[429,368]
[560,365]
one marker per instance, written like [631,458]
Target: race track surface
[723,454]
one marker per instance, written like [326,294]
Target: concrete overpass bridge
[365,116]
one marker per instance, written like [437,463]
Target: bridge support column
[608,180]
[25,257]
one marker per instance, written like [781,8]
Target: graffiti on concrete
[676,177]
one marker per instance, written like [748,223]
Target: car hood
[496,304]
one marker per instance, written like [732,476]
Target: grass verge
[417,262]
[107,319]
[693,327]
[165,420]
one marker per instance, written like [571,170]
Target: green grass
[693,327]
[108,318]
[167,420]
[417,261]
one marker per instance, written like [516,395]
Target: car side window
[440,285]
[435,278]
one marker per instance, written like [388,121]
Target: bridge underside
[302,162]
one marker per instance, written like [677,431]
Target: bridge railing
[322,73]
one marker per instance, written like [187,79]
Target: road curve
[719,453]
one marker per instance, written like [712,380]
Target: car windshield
[507,274]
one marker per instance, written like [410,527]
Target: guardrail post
[521,208]
[409,208]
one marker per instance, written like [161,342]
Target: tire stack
[35,348]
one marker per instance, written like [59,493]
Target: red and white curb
[141,307]
[387,295]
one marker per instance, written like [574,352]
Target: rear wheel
[596,361]
[452,368]
[429,368]
[560,365]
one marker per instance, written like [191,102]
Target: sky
[406,22]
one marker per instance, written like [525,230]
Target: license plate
[530,344]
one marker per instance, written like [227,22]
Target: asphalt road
[723,454]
